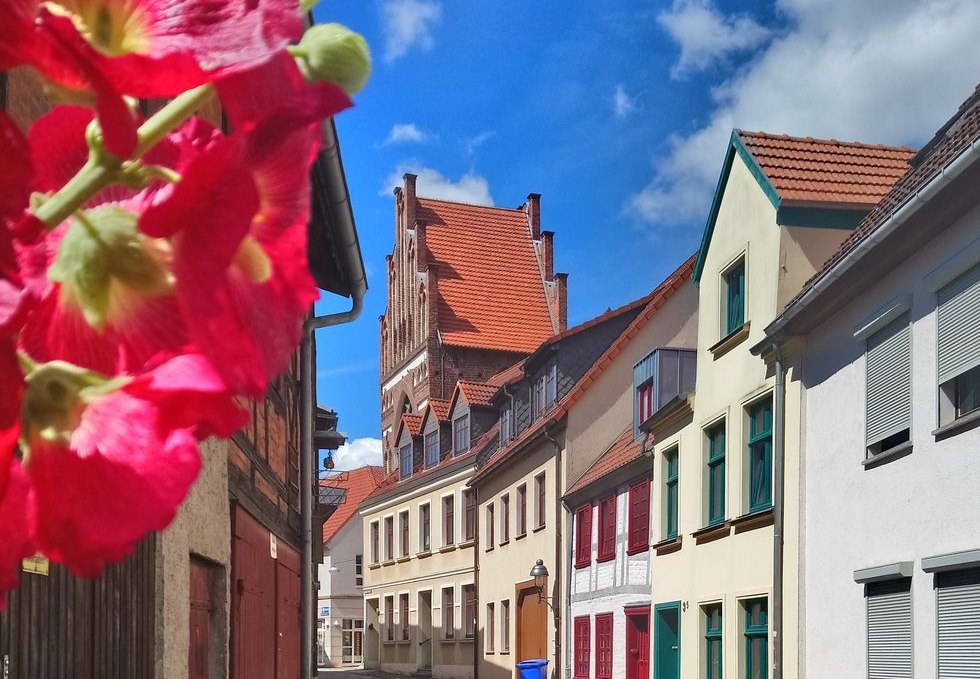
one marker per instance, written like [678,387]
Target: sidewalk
[353,673]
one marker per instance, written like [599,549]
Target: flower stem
[102,168]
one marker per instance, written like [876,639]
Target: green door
[667,641]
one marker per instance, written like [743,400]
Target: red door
[201,611]
[287,613]
[253,600]
[638,642]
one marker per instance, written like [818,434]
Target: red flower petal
[15,171]
[15,543]
[58,148]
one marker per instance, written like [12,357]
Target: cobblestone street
[353,673]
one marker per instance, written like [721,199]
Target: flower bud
[334,53]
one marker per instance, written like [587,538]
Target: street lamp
[540,574]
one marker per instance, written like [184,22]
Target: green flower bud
[103,260]
[334,53]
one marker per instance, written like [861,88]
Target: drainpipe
[778,425]
[476,575]
[340,211]
[558,549]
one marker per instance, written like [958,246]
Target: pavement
[352,673]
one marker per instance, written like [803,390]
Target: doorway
[424,632]
[532,623]
[638,642]
[667,641]
[372,634]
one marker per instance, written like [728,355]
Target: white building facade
[340,600]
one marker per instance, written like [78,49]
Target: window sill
[503,542]
[757,519]
[886,456]
[422,555]
[729,342]
[489,653]
[488,549]
[712,533]
[503,652]
[605,558]
[538,528]
[447,548]
[520,536]
[957,426]
[403,642]
[389,562]
[466,543]
[583,564]
[374,566]
[403,559]
[668,546]
[447,641]
[639,549]
[467,640]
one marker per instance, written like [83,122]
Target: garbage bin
[532,669]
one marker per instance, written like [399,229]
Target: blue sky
[618,114]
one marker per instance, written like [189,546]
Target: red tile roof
[476,394]
[489,288]
[439,408]
[623,451]
[413,423]
[803,169]
[359,483]
[651,302]
[508,375]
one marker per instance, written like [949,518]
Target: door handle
[674,648]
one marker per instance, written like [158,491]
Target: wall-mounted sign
[324,611]
[273,546]
[36,564]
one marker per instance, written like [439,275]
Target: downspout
[558,550]
[778,452]
[340,211]
[476,575]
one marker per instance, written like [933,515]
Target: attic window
[543,391]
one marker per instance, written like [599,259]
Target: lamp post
[540,574]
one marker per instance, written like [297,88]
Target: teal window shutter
[716,474]
[760,455]
[670,494]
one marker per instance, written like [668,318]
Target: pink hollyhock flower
[15,543]
[108,461]
[245,288]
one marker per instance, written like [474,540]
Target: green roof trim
[820,218]
[735,145]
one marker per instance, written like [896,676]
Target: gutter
[343,216]
[910,207]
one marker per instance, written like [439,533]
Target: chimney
[410,201]
[561,300]
[533,209]
[548,254]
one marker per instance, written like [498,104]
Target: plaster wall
[920,505]
[201,529]
[339,590]
[421,572]
[606,408]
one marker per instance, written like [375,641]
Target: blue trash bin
[532,669]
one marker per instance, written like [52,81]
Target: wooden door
[667,638]
[287,613]
[202,607]
[532,623]
[253,603]
[638,643]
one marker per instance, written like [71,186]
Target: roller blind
[890,629]
[889,380]
[959,325]
[958,617]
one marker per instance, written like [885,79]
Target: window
[644,403]
[756,635]
[670,493]
[469,514]
[733,284]
[359,570]
[405,452]
[888,367]
[432,448]
[543,391]
[540,494]
[425,542]
[583,536]
[958,619]
[638,533]
[389,538]
[375,541]
[958,340]
[489,635]
[712,641]
[403,528]
[389,618]
[607,529]
[505,626]
[504,519]
[760,455]
[469,611]
[403,615]
[448,617]
[889,605]
[716,474]
[522,510]
[461,434]
[603,646]
[448,520]
[489,531]
[582,650]
[506,426]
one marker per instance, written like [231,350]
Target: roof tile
[359,483]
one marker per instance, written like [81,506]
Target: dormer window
[733,297]
[506,425]
[544,390]
[432,448]
[644,402]
[461,434]
[405,453]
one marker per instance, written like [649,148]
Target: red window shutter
[583,536]
[607,529]
[603,646]
[582,648]
[639,519]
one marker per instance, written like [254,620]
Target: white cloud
[470,188]
[358,453]
[471,144]
[623,103]
[407,24]
[877,71]
[407,133]
[707,36]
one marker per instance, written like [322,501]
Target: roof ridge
[818,140]
[465,204]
